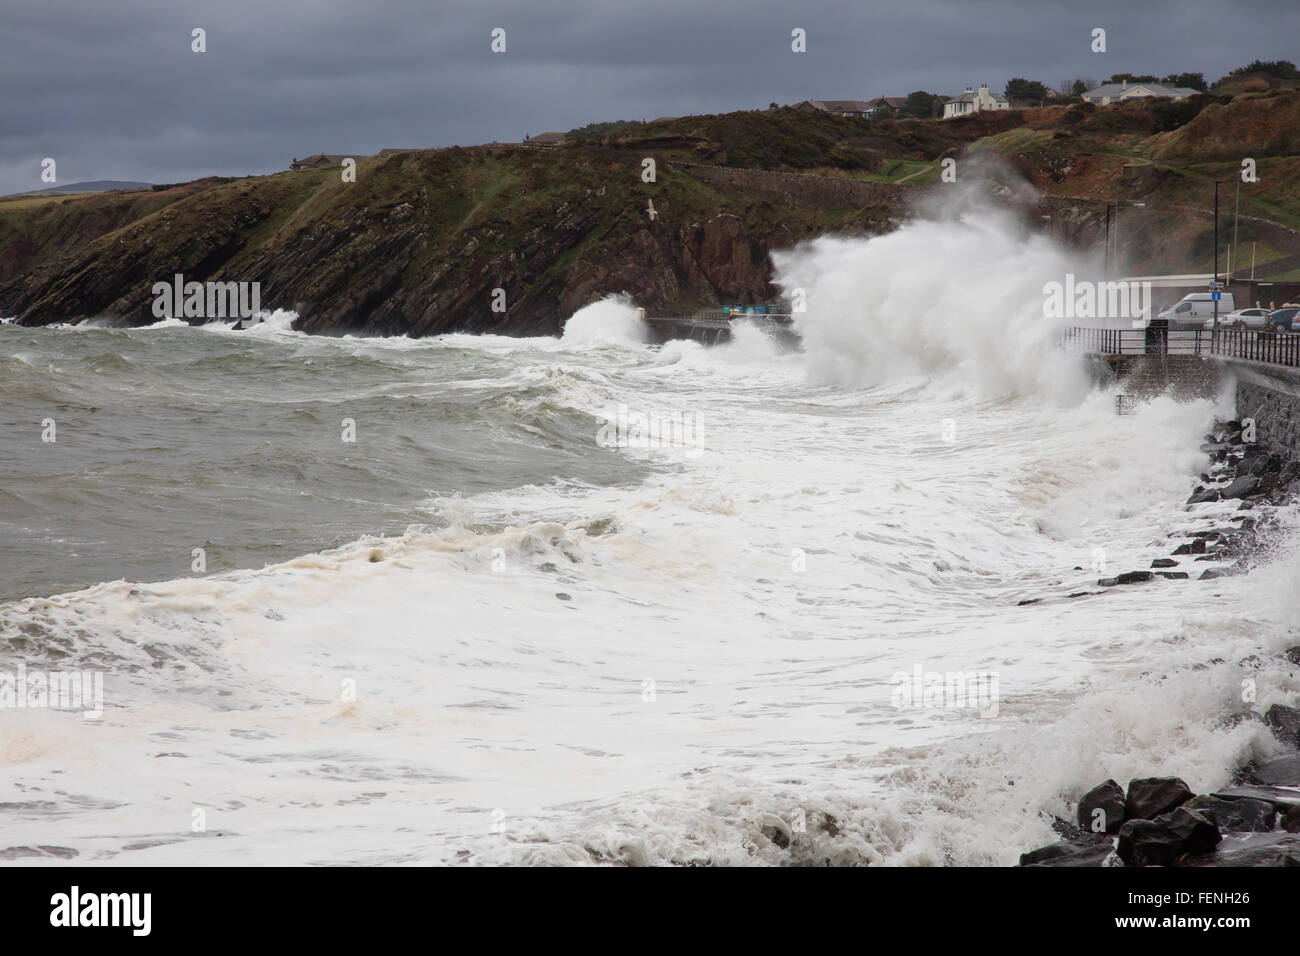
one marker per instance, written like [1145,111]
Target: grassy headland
[420,241]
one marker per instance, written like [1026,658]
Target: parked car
[1283,320]
[1191,311]
[1241,319]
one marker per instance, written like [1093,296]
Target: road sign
[1216,295]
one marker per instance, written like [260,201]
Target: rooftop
[1159,89]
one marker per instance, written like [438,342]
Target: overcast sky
[111,90]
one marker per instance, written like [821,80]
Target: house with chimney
[836,107]
[887,105]
[319,161]
[974,101]
[1129,90]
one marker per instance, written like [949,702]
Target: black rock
[1292,654]
[1241,487]
[1285,723]
[1265,466]
[1068,854]
[1049,852]
[1203,495]
[1149,797]
[1109,799]
[1134,577]
[1275,850]
[1281,797]
[1290,821]
[1235,816]
[1128,577]
[1162,841]
[1173,575]
[1164,563]
[1282,772]
[1209,574]
[1236,545]
[1192,547]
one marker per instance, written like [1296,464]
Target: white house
[972,102]
[1124,90]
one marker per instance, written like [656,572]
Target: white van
[1193,309]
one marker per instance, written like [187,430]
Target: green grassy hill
[421,240]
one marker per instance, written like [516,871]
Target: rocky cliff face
[513,240]
[422,241]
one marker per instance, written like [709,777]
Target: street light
[1109,207]
[1214,286]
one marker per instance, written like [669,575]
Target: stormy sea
[597,600]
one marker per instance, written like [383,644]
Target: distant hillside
[421,241]
[95,186]
[1168,156]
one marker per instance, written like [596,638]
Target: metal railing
[711,317]
[1273,348]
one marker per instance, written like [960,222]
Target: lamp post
[1109,207]
[1108,241]
[1214,286]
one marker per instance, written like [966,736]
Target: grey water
[169,439]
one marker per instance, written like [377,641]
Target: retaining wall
[1271,396]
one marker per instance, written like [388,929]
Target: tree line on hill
[1020,91]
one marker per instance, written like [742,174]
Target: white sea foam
[611,321]
[958,298]
[275,322]
[678,670]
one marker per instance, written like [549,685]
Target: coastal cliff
[421,241]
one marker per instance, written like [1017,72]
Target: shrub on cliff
[1134,116]
[1171,114]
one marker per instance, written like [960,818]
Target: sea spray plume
[611,321]
[955,294]
[981,181]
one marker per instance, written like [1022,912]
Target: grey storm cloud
[113,91]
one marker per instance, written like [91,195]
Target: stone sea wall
[1272,398]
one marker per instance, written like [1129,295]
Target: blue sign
[1216,295]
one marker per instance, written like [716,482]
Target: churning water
[481,631]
